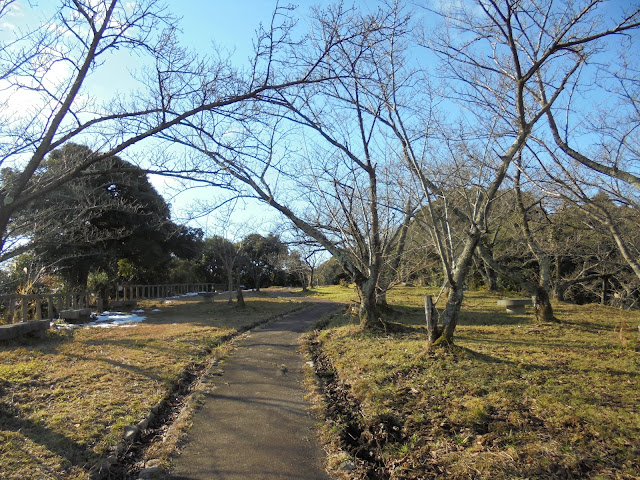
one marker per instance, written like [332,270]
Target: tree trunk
[450,315]
[369,312]
[490,277]
[544,310]
[230,280]
[381,301]
[559,291]
[456,290]
[311,273]
[604,293]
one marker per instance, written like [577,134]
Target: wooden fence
[22,308]
[140,292]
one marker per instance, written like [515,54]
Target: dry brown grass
[514,399]
[65,400]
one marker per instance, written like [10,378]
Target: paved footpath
[255,423]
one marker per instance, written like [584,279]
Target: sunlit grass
[65,400]
[514,399]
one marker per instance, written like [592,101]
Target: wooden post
[38,308]
[12,305]
[240,297]
[432,321]
[25,311]
[50,307]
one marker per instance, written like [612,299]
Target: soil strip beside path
[254,422]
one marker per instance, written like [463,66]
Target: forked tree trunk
[544,311]
[369,312]
[450,315]
[456,290]
[490,277]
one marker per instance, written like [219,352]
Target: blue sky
[231,25]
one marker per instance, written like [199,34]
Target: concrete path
[255,423]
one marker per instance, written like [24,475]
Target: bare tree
[494,55]
[53,64]
[304,259]
[342,181]
[597,147]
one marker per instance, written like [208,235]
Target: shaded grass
[513,399]
[65,400]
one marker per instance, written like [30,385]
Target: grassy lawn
[513,399]
[65,400]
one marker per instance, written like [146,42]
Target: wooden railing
[22,308]
[140,292]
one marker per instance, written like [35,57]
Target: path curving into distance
[255,423]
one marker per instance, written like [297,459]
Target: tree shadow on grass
[73,452]
[490,359]
[415,316]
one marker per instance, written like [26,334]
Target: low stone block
[123,304]
[514,305]
[32,328]
[79,315]
[208,297]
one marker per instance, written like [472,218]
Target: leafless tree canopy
[373,121]
[49,69]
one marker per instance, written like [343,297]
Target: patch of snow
[140,310]
[64,326]
[189,294]
[106,320]
[156,310]
[111,324]
[116,319]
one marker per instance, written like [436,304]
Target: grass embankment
[65,400]
[513,399]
